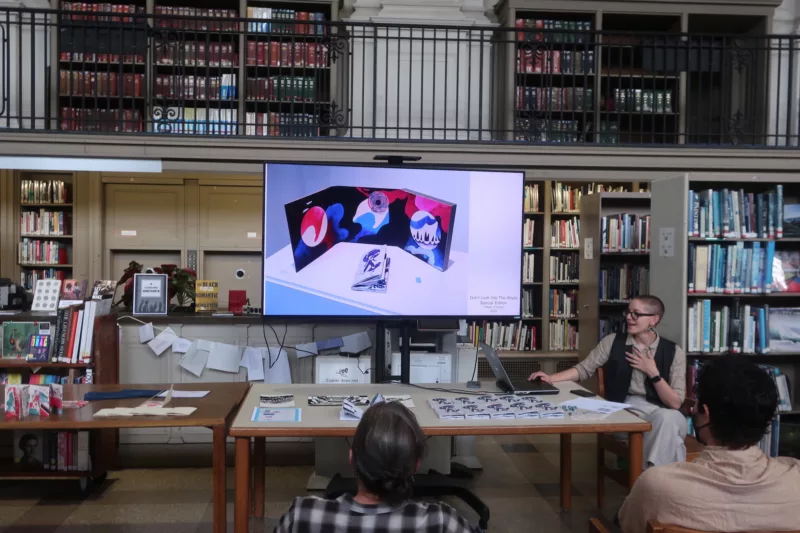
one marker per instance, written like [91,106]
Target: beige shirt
[722,490]
[601,353]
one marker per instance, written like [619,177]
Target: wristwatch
[655,379]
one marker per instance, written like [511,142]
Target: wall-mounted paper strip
[306,350]
[194,360]
[253,361]
[162,341]
[280,372]
[224,357]
[146,333]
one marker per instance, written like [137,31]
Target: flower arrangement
[180,285]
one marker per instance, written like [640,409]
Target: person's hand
[541,375]
[642,361]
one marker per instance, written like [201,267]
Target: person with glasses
[732,485]
[644,370]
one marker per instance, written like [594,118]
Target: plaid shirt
[344,515]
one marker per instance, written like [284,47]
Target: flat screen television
[403,242]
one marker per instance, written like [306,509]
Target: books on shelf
[547,130]
[529,233]
[554,99]
[640,101]
[529,261]
[734,328]
[563,304]
[621,283]
[517,336]
[103,120]
[611,324]
[60,451]
[29,277]
[531,61]
[204,19]
[199,121]
[567,198]
[73,336]
[625,233]
[564,233]
[190,87]
[43,252]
[741,268]
[283,54]
[531,198]
[550,31]
[283,88]
[531,302]
[44,192]
[103,84]
[275,124]
[272,20]
[45,223]
[195,54]
[563,335]
[564,268]
[110,12]
[730,213]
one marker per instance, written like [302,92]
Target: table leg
[566,471]
[259,445]
[241,509]
[636,445]
[220,487]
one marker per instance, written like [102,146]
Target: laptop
[505,384]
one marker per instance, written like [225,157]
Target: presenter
[646,371]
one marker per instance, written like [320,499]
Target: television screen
[348,241]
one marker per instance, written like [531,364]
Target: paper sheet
[224,357]
[596,406]
[274,401]
[146,333]
[356,343]
[162,341]
[253,361]
[306,350]
[185,394]
[263,414]
[181,345]
[280,372]
[194,360]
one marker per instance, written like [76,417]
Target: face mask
[698,427]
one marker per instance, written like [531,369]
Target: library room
[503,347]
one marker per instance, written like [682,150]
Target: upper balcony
[283,73]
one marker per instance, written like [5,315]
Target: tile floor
[519,482]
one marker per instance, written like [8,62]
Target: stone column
[25,69]
[784,85]
[421,82]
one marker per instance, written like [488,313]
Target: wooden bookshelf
[44,225]
[672,269]
[600,308]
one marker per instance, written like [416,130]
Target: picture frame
[150,294]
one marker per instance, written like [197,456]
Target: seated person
[385,454]
[732,486]
[646,371]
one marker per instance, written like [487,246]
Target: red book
[251,58]
[274,54]
[520,23]
[285,53]
[299,57]
[301,28]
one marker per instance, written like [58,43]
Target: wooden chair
[597,526]
[607,443]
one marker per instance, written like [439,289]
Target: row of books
[754,268]
[625,232]
[37,450]
[621,283]
[29,278]
[15,378]
[195,54]
[564,233]
[45,192]
[529,261]
[529,233]
[517,336]
[531,198]
[554,31]
[283,124]
[89,83]
[547,130]
[563,335]
[530,61]
[74,332]
[729,213]
[531,303]
[567,198]
[781,381]
[117,12]
[45,223]
[283,88]
[204,19]
[608,132]
[564,268]
[190,87]
[611,324]
[195,121]
[86,58]
[640,101]
[296,55]
[284,21]
[563,304]
[104,120]
[43,252]
[554,99]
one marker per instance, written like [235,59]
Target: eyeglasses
[635,314]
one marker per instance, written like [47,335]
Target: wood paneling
[141,216]
[231,217]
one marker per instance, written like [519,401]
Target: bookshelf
[614,261]
[737,307]
[46,210]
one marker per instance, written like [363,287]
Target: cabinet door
[145,216]
[231,217]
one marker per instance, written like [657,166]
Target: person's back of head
[736,401]
[386,451]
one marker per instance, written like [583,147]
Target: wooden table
[324,422]
[214,411]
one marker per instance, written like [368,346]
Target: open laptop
[505,384]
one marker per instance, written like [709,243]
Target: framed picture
[150,295]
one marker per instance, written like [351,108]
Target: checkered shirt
[344,515]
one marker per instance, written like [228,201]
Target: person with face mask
[644,370]
[733,485]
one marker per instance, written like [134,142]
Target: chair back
[657,527]
[601,382]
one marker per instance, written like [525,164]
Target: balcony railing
[156,74]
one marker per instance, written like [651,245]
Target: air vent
[517,369]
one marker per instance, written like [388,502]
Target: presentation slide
[405,242]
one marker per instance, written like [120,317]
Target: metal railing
[297,75]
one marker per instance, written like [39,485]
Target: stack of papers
[282,400]
[351,411]
[335,401]
[596,405]
[145,411]
[494,406]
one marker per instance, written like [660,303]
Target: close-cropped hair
[653,302]
[387,448]
[741,399]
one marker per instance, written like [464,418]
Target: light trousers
[664,443]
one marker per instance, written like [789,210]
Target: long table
[214,411]
[324,422]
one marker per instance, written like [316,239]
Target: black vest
[618,371]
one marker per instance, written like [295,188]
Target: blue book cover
[768,266]
[779,211]
[706,325]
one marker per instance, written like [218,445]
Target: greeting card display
[418,224]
